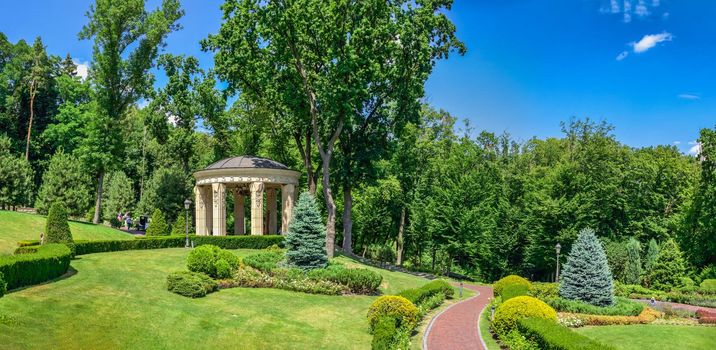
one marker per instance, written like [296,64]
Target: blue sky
[646,66]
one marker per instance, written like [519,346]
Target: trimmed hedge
[514,290]
[387,336]
[28,242]
[517,308]
[418,295]
[621,307]
[3,285]
[549,335]
[224,242]
[358,281]
[190,284]
[404,312]
[48,262]
[498,286]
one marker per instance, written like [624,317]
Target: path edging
[432,321]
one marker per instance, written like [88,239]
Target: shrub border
[48,262]
[159,242]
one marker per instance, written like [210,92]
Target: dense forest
[398,180]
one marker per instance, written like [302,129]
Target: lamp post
[187,204]
[557,248]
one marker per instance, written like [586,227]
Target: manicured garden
[20,226]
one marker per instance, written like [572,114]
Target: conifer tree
[649,260]
[669,267]
[57,230]
[179,227]
[632,272]
[305,240]
[158,224]
[586,274]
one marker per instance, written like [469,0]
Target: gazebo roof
[246,162]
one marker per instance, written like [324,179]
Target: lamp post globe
[187,205]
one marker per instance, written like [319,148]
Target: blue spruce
[306,238]
[586,276]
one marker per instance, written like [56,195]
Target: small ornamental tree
[305,240]
[158,224]
[179,227]
[57,230]
[669,267]
[632,271]
[586,274]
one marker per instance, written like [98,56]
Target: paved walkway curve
[456,326]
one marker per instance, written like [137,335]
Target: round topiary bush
[517,308]
[202,259]
[222,269]
[398,307]
[500,285]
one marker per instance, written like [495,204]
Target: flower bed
[646,316]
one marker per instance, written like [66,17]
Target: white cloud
[689,96]
[650,40]
[82,68]
[627,11]
[640,9]
[622,55]
[695,149]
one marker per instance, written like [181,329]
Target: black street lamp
[558,247]
[187,204]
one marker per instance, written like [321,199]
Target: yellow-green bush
[405,313]
[500,285]
[517,308]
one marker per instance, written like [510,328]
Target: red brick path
[456,327]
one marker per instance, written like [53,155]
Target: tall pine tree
[649,261]
[305,240]
[669,267]
[586,275]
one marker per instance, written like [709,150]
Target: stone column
[271,210]
[287,201]
[257,208]
[219,213]
[203,210]
[239,228]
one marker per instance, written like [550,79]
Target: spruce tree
[305,240]
[158,224]
[57,230]
[586,274]
[179,227]
[632,271]
[669,267]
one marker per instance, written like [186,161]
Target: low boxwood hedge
[549,335]
[225,242]
[47,262]
[418,295]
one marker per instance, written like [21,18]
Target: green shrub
[179,226]
[358,281]
[207,258]
[264,261]
[708,284]
[28,242]
[223,269]
[514,340]
[57,230]
[621,307]
[517,308]
[404,312]
[387,336]
[542,291]
[3,285]
[224,242]
[498,286]
[158,224]
[514,290]
[287,279]
[430,303]
[113,221]
[549,335]
[48,262]
[417,295]
[190,284]
[586,275]
[669,267]
[26,249]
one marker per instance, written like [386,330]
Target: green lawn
[485,330]
[637,337]
[16,226]
[119,300]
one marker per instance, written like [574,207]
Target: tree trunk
[29,126]
[305,152]
[330,207]
[347,221]
[399,243]
[98,202]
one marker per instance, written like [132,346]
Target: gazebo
[243,176]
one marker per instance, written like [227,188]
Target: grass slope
[637,337]
[16,226]
[119,300]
